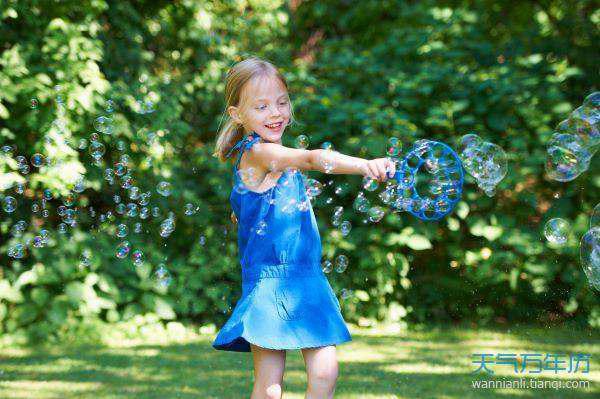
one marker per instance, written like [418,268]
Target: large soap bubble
[567,157]
[595,219]
[575,141]
[585,122]
[589,253]
[483,160]
[430,179]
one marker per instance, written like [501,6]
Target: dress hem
[223,346]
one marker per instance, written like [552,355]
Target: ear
[234,113]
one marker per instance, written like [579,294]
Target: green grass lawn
[426,363]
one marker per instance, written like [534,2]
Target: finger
[381,170]
[372,171]
[392,168]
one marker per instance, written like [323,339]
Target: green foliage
[359,72]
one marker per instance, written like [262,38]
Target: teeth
[274,125]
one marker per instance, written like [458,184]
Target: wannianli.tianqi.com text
[530,383]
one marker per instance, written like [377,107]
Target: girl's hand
[380,168]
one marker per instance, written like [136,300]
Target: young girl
[286,302]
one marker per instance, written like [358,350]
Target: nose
[275,111]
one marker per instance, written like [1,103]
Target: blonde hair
[237,77]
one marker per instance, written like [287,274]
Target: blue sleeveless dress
[286,301]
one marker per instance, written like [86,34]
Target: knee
[324,377]
[273,391]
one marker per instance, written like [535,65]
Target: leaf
[418,242]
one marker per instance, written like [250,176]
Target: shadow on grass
[423,365]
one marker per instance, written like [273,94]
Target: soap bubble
[361,203]
[103,124]
[567,157]
[164,188]
[189,209]
[261,228]
[369,183]
[33,103]
[486,162]
[557,231]
[162,277]
[9,204]
[313,187]
[341,263]
[394,147]
[167,226]
[37,160]
[589,253]
[376,213]
[585,122]
[122,230]
[327,145]
[327,160]
[345,227]
[595,219]
[96,150]
[341,189]
[326,266]
[123,249]
[336,219]
[469,140]
[138,257]
[592,100]
[302,141]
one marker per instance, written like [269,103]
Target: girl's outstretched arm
[275,157]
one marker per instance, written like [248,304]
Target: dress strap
[243,145]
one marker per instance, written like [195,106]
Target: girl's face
[265,108]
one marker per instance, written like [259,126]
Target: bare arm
[275,157]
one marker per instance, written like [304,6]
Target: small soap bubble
[162,277]
[369,183]
[9,204]
[361,203]
[103,124]
[327,160]
[123,250]
[33,103]
[96,150]
[138,257]
[313,187]
[164,188]
[376,213]
[557,230]
[326,266]
[189,209]
[37,160]
[341,263]
[345,227]
[394,147]
[261,228]
[302,141]
[122,230]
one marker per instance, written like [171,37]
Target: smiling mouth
[274,125]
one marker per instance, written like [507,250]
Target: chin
[270,136]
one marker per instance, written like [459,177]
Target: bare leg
[268,373]
[322,371]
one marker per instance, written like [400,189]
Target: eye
[261,107]
[283,102]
